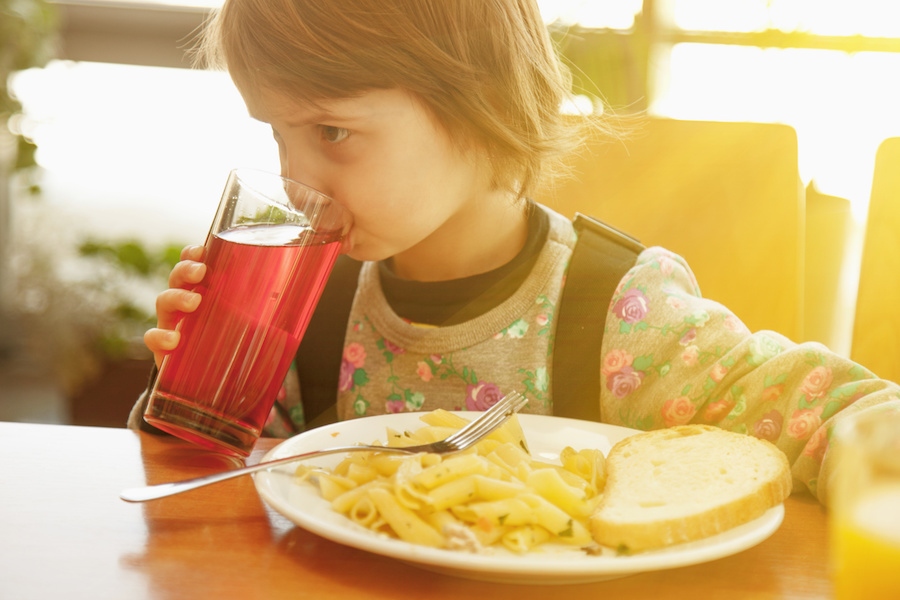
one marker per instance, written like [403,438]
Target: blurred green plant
[128,259]
[83,305]
[27,39]
[133,256]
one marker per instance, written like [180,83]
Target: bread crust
[636,515]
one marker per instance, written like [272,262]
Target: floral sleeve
[672,357]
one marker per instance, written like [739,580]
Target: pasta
[494,494]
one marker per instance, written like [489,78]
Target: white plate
[546,436]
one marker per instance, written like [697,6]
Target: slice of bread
[684,483]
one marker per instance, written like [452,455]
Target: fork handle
[162,490]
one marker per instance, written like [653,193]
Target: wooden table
[66,534]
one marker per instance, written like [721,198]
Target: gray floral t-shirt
[390,365]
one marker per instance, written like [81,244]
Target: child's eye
[333,135]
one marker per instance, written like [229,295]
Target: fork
[460,440]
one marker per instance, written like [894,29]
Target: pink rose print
[481,396]
[816,382]
[675,302]
[716,411]
[632,307]
[623,382]
[804,422]
[666,265]
[678,411]
[615,360]
[769,427]
[393,348]
[542,319]
[718,372]
[355,354]
[394,406]
[772,392]
[815,447]
[345,380]
[690,355]
[688,337]
[423,371]
[436,358]
[732,323]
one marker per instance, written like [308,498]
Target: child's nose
[306,174]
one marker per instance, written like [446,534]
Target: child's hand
[173,303]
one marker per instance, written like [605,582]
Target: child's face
[411,191]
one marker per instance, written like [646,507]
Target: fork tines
[490,420]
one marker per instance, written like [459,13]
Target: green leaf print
[536,383]
[698,318]
[642,363]
[844,391]
[762,348]
[644,423]
[857,372]
[740,406]
[518,329]
[815,359]
[830,409]
[413,401]
[360,378]
[360,406]
[624,327]
[770,381]
[805,402]
[296,415]
[541,380]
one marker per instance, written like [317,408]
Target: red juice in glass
[261,287]
[262,283]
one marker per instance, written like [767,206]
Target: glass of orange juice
[865,506]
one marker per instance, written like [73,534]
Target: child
[432,121]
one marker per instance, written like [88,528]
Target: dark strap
[323,342]
[600,259]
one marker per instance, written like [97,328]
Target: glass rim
[876,430]
[238,173]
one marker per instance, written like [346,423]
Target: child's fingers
[194,253]
[187,274]
[161,342]
[172,303]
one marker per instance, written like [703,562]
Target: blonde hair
[486,69]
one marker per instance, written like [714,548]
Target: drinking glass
[268,254]
[865,506]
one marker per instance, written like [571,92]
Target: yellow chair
[726,196]
[831,277]
[876,329]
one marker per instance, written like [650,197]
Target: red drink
[261,287]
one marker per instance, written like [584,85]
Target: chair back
[876,328]
[726,196]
